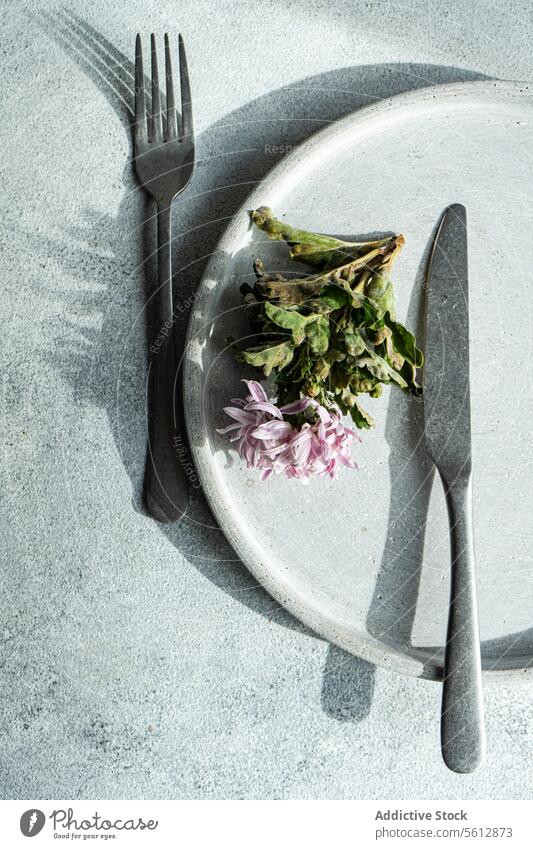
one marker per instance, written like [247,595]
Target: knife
[446,393]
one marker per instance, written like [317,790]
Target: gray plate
[364,561]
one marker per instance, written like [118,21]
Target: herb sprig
[331,335]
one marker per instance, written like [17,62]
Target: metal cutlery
[448,442]
[164,161]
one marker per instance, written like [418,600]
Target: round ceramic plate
[364,560]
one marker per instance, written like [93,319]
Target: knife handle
[462,720]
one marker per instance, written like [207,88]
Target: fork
[164,161]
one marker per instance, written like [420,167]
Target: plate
[364,560]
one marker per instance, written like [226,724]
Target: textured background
[138,660]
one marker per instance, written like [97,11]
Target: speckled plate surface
[364,561]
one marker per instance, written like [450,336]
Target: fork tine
[186,128]
[156,127]
[171,129]
[140,104]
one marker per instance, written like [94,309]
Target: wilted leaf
[380,368]
[334,296]
[317,331]
[405,342]
[355,344]
[381,292]
[269,357]
[340,378]
[288,320]
[313,248]
[366,314]
[360,417]
[321,368]
[361,380]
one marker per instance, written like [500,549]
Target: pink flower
[266,440]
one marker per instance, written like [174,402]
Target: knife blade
[446,370]
[446,385]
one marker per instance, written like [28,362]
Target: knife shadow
[104,361]
[392,609]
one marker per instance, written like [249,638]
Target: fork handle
[166,484]
[462,721]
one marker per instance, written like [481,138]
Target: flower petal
[301,447]
[272,430]
[256,390]
[241,415]
[227,429]
[295,407]
[264,407]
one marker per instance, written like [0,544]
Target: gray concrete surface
[137,660]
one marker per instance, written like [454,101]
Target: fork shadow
[104,362]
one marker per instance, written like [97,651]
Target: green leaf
[314,327]
[409,375]
[321,368]
[355,344]
[360,417]
[288,320]
[380,368]
[366,314]
[405,342]
[334,296]
[340,378]
[279,230]
[361,380]
[314,249]
[269,357]
[380,290]
[317,331]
